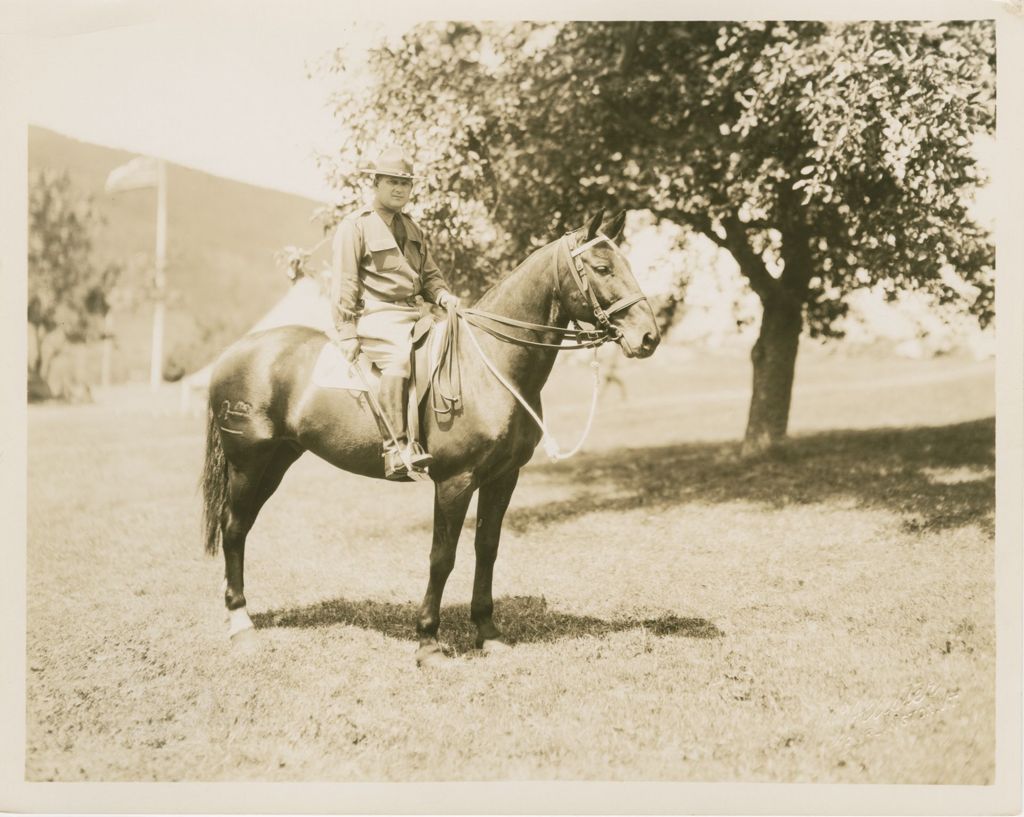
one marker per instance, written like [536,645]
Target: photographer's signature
[873,718]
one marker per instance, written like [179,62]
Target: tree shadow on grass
[937,477]
[523,619]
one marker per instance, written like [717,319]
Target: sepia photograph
[440,397]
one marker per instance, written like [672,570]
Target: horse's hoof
[495,646]
[431,657]
[245,640]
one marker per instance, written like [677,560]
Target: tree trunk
[37,366]
[774,359]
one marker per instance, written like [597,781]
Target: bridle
[602,315]
[581,338]
[446,385]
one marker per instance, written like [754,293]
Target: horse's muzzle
[639,349]
[649,344]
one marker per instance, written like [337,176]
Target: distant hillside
[222,237]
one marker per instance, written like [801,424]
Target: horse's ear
[594,225]
[614,231]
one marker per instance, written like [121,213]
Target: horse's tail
[214,483]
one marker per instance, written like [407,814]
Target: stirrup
[394,466]
[419,458]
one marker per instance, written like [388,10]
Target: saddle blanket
[333,371]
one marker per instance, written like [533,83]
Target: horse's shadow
[523,619]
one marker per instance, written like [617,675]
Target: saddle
[333,371]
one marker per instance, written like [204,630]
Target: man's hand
[447,301]
[349,348]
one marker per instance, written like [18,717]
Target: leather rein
[584,338]
[446,380]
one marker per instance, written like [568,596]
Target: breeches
[385,334]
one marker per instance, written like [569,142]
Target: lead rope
[551,447]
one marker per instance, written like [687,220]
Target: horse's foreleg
[491,507]
[451,500]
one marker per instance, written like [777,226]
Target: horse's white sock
[238,620]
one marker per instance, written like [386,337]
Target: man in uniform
[381,271]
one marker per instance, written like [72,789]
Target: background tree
[68,290]
[824,157]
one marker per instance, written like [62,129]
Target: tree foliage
[824,157]
[68,289]
[857,135]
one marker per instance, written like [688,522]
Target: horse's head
[597,286]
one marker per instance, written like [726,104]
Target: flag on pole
[145,171]
[142,171]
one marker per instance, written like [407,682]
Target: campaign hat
[392,161]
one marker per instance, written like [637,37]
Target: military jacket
[368,262]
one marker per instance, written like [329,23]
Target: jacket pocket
[386,255]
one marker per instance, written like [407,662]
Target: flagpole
[108,348]
[156,364]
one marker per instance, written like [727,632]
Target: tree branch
[735,241]
[629,45]
[40,337]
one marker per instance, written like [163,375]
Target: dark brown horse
[265,411]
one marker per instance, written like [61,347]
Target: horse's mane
[510,272]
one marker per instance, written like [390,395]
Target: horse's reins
[446,379]
[585,338]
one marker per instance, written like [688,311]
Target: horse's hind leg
[250,485]
[491,507]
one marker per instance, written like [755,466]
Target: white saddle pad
[333,371]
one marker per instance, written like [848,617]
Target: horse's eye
[601,269]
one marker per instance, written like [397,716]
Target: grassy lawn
[822,615]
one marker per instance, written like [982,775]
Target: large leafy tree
[824,157]
[68,288]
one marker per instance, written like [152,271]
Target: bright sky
[219,86]
[195,86]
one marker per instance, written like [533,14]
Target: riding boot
[394,392]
